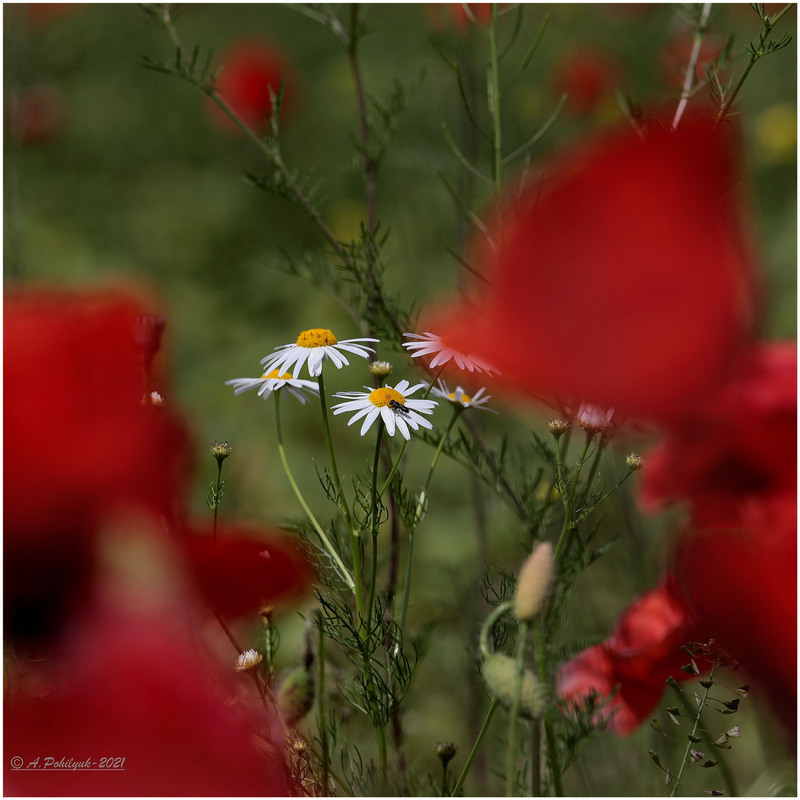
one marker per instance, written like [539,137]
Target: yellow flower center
[384,396]
[316,337]
[274,374]
[465,398]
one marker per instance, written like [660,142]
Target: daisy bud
[445,751]
[220,450]
[558,426]
[296,696]
[634,461]
[533,584]
[248,660]
[499,674]
[380,369]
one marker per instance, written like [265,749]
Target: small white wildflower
[268,383]
[459,397]
[248,660]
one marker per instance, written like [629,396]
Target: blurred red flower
[737,444]
[742,584]
[586,76]
[246,569]
[641,653]
[35,114]
[252,71]
[443,16]
[134,689]
[80,446]
[622,279]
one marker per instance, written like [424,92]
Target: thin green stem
[543,670]
[569,499]
[693,735]
[331,453]
[216,496]
[699,33]
[343,571]
[321,721]
[513,716]
[421,502]
[375,519]
[494,104]
[474,752]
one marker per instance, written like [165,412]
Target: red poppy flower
[252,71]
[738,444]
[80,446]
[638,657]
[146,712]
[586,76]
[742,584]
[246,569]
[622,279]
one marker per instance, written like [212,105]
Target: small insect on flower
[401,409]
[390,404]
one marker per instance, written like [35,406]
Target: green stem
[343,571]
[216,496]
[693,735]
[474,752]
[569,499]
[513,717]
[331,453]
[375,515]
[321,722]
[487,626]
[494,103]
[550,738]
[457,411]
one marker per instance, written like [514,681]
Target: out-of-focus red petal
[638,657]
[742,584]
[623,278]
[586,76]
[247,568]
[737,444]
[252,71]
[138,692]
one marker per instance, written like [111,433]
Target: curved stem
[488,624]
[343,571]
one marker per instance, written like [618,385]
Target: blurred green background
[127,178]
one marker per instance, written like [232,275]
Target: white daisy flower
[594,419]
[460,398]
[273,381]
[391,405]
[431,344]
[315,346]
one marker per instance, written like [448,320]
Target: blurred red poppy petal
[623,278]
[738,443]
[247,569]
[742,584]
[139,694]
[642,652]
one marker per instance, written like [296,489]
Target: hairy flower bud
[296,696]
[533,583]
[499,674]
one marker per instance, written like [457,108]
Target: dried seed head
[533,584]
[248,660]
[634,461]
[558,426]
[499,674]
[220,450]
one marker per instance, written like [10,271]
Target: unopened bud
[300,745]
[594,419]
[500,673]
[248,660]
[558,426]
[445,751]
[634,461]
[533,584]
[296,696]
[380,369]
[220,450]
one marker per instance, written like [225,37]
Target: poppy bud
[533,584]
[499,674]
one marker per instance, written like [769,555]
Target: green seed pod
[499,673]
[296,696]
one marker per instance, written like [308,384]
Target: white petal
[403,428]
[371,417]
[389,419]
